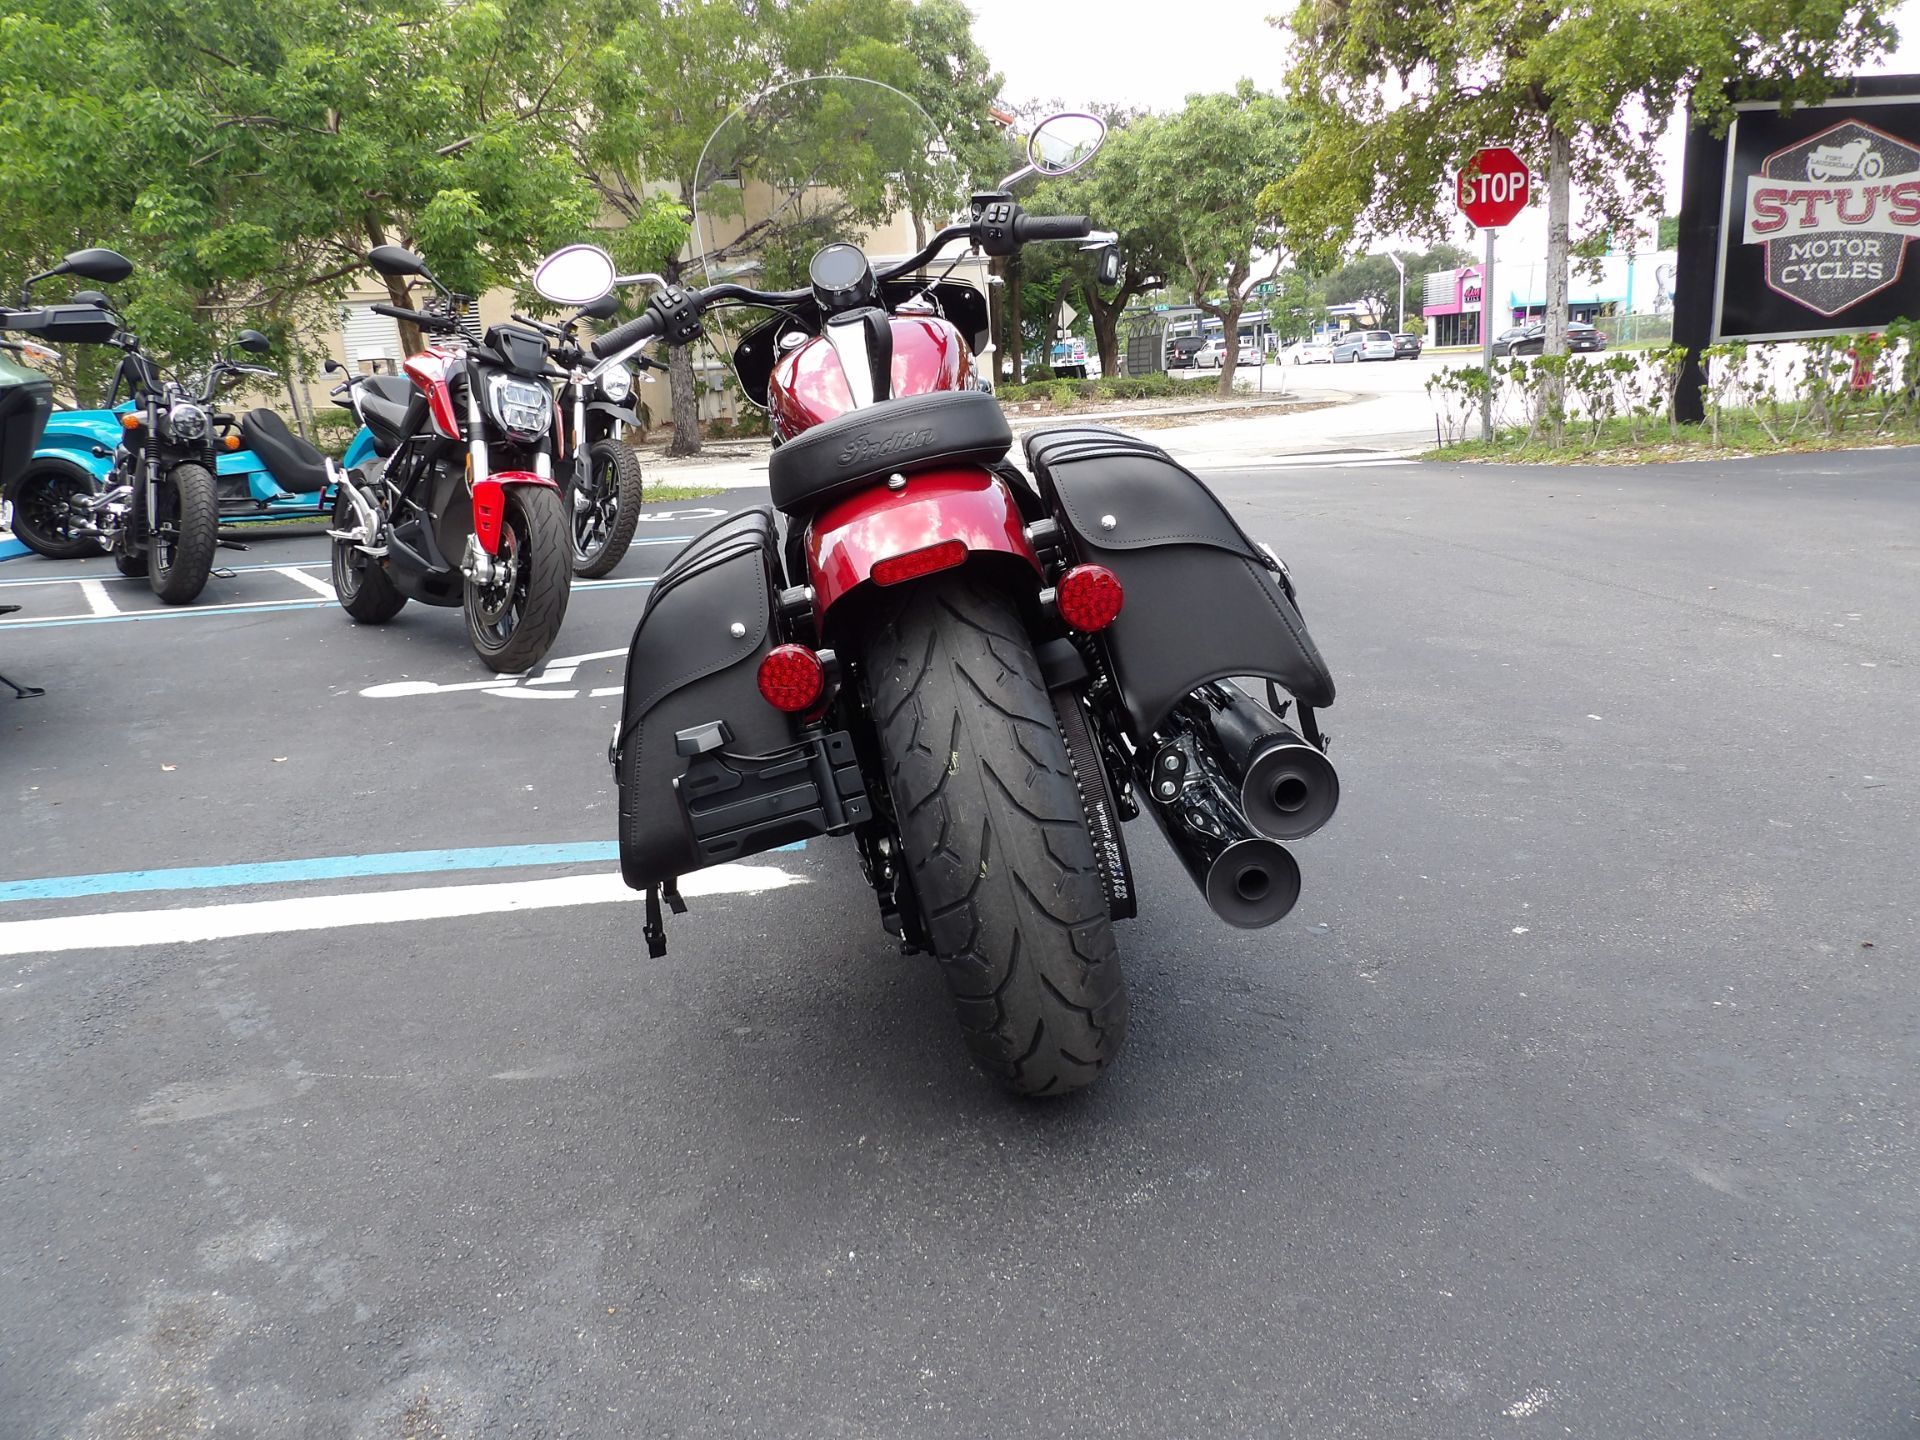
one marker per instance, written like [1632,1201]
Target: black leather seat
[915,432]
[384,401]
[297,467]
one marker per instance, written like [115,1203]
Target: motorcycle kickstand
[21,692]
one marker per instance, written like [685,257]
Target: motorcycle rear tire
[536,526]
[363,588]
[995,837]
[613,463]
[190,501]
[35,514]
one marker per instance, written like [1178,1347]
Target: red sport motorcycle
[975,674]
[460,506]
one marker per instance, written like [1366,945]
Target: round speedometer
[842,279]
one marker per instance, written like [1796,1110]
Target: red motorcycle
[975,675]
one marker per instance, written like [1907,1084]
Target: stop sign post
[1492,189]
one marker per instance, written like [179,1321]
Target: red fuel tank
[809,386]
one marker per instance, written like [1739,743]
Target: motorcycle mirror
[395,263]
[1107,265]
[109,267]
[605,308]
[332,365]
[1065,142]
[253,342]
[575,275]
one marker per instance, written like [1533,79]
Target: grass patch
[1624,442]
[651,492]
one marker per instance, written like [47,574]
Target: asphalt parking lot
[1576,1098]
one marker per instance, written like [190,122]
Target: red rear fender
[846,540]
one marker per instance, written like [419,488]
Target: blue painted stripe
[324,867]
[13,549]
[208,612]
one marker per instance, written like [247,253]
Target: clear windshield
[808,163]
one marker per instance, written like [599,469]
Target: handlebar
[445,324]
[1050,227]
[676,312]
[623,337]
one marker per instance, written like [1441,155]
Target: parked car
[1406,344]
[1181,350]
[1532,339]
[1358,345]
[1213,354]
[1315,351]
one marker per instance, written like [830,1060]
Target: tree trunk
[1105,318]
[686,401]
[1559,252]
[1230,343]
[411,340]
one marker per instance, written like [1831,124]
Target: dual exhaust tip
[1230,785]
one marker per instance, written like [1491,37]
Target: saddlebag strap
[656,929]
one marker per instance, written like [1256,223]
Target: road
[1576,1098]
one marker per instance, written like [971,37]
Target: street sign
[1492,187]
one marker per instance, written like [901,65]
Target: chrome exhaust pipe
[1288,787]
[1247,879]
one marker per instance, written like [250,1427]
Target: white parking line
[120,929]
[95,594]
[311,582]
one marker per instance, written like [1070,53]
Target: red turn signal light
[897,569]
[792,678]
[1089,597]
[132,422]
[232,442]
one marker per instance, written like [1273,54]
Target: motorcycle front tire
[190,503]
[995,836]
[611,464]
[536,527]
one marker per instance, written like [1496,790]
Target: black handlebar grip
[621,336]
[1051,227]
[381,307]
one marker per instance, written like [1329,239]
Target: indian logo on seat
[865,446]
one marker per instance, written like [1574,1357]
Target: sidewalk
[1309,425]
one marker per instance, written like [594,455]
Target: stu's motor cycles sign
[1820,208]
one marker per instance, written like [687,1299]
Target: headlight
[617,383]
[186,422]
[520,405]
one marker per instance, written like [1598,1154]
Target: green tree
[670,72]
[1398,93]
[1212,168]
[246,153]
[1370,282]
[1669,234]
[1110,190]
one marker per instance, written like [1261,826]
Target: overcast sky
[1155,55]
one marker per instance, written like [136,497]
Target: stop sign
[1492,187]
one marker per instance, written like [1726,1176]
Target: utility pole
[1401,267]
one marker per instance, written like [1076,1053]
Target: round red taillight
[1089,597]
[792,678]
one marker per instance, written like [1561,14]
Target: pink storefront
[1452,307]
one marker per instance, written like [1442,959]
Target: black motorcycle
[160,513]
[463,508]
[599,473]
